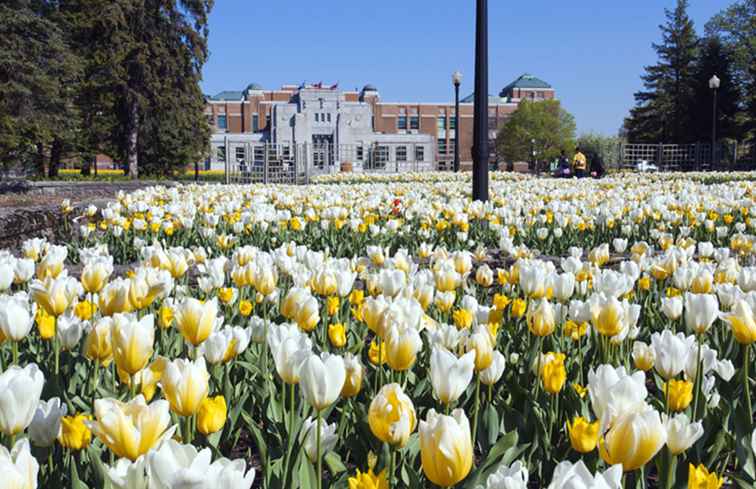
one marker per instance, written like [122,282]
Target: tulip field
[375,332]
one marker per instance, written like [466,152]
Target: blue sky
[591,51]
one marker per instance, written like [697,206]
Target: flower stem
[477,409]
[698,382]
[747,382]
[317,450]
[391,469]
[14,348]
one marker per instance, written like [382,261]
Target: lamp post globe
[456,81]
[714,83]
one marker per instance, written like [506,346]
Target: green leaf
[257,434]
[334,463]
[491,422]
[307,477]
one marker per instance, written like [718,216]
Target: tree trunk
[55,155]
[133,140]
[41,160]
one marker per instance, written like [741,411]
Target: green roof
[228,95]
[492,100]
[525,81]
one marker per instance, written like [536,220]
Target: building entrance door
[322,152]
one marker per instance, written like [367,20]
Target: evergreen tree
[37,75]
[736,27]
[661,113]
[715,59]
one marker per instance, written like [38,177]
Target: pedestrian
[579,163]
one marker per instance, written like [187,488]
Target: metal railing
[722,156]
[260,162]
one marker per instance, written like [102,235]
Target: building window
[267,121]
[452,123]
[419,153]
[360,153]
[222,122]
[259,153]
[401,153]
[221,153]
[450,146]
[401,122]
[328,116]
[286,152]
[240,154]
[442,146]
[414,122]
[381,156]
[317,116]
[255,122]
[442,123]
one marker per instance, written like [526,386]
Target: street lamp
[480,118]
[533,155]
[456,80]
[714,85]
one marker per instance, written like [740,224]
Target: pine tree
[715,59]
[736,27]
[37,74]
[662,108]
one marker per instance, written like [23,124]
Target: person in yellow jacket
[579,163]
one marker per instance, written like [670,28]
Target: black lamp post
[456,80]
[714,85]
[480,124]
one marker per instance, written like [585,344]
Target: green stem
[391,469]
[14,348]
[477,408]
[698,383]
[317,450]
[747,382]
[56,346]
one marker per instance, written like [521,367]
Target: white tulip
[493,373]
[23,271]
[20,389]
[450,375]
[620,245]
[681,432]
[321,379]
[126,474]
[508,477]
[18,467]
[672,307]
[16,316]
[7,272]
[447,336]
[68,330]
[308,435]
[564,286]
[613,393]
[701,310]
[45,424]
[577,476]
[671,352]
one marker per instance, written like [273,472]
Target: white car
[644,166]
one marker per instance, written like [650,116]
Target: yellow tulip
[95,275]
[151,376]
[540,318]
[337,335]
[54,294]
[462,318]
[332,305]
[377,352]
[185,385]
[165,316]
[554,374]
[354,373]
[633,440]
[74,432]
[212,415]
[84,310]
[368,480]
[700,478]
[308,315]
[356,297]
[446,451]
[402,345]
[245,308]
[133,341]
[679,393]
[391,416]
[195,320]
[743,322]
[131,429]
[45,324]
[98,346]
[480,342]
[114,298]
[609,320]
[583,435]
[518,308]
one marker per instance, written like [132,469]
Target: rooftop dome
[254,86]
[369,88]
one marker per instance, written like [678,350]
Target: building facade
[336,129]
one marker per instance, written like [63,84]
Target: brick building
[357,127]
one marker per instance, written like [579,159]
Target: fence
[688,157]
[260,162]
